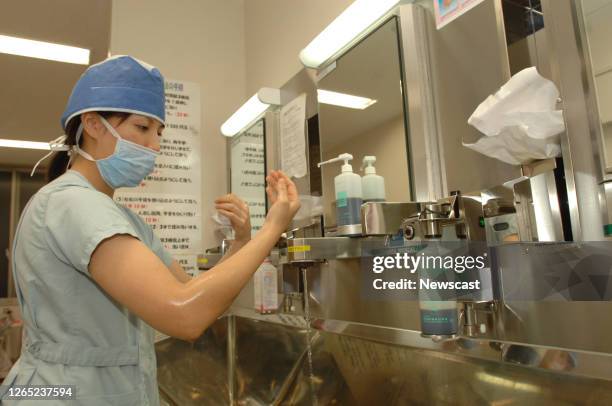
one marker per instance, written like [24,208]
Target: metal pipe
[231,359]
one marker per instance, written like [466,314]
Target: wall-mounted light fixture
[5,143]
[43,50]
[251,111]
[346,28]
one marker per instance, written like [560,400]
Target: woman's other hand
[237,211]
[284,201]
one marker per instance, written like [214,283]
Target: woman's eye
[143,127]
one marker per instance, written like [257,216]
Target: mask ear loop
[55,145]
[76,149]
[71,154]
[110,128]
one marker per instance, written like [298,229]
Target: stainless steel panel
[580,144]
[386,218]
[320,249]
[336,294]
[426,162]
[555,295]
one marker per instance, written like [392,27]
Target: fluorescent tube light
[43,50]
[344,100]
[251,111]
[24,144]
[353,21]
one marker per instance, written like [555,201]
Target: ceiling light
[251,111]
[344,100]
[43,50]
[348,26]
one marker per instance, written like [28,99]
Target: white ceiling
[370,69]
[33,92]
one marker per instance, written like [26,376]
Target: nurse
[91,277]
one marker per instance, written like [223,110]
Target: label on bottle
[341,199]
[350,213]
[439,322]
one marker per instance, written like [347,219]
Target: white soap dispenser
[373,185]
[348,192]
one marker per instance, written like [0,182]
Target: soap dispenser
[348,192]
[373,185]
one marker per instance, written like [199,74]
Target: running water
[309,338]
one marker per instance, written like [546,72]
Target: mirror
[597,16]
[248,171]
[369,70]
[526,36]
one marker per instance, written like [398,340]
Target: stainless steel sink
[271,366]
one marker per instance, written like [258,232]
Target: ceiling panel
[33,92]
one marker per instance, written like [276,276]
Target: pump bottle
[348,192]
[373,185]
[265,283]
[438,317]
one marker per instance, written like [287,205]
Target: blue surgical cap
[120,83]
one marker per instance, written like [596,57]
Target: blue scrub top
[76,334]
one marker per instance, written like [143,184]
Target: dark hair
[59,161]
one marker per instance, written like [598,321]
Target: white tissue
[310,206]
[520,122]
[223,224]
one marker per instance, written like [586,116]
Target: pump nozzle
[368,163]
[342,157]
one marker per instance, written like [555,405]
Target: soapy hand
[237,211]
[284,201]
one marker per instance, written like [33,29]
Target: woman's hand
[237,211]
[284,201]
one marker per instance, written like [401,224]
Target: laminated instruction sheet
[293,137]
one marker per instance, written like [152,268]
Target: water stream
[309,339]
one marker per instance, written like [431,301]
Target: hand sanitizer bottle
[373,185]
[348,192]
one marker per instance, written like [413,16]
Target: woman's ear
[92,125]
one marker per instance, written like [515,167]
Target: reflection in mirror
[597,16]
[526,36]
[525,210]
[248,171]
[373,123]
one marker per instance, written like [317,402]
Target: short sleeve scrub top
[75,334]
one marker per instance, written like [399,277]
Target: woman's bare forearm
[204,298]
[135,277]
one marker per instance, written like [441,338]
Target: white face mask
[127,166]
